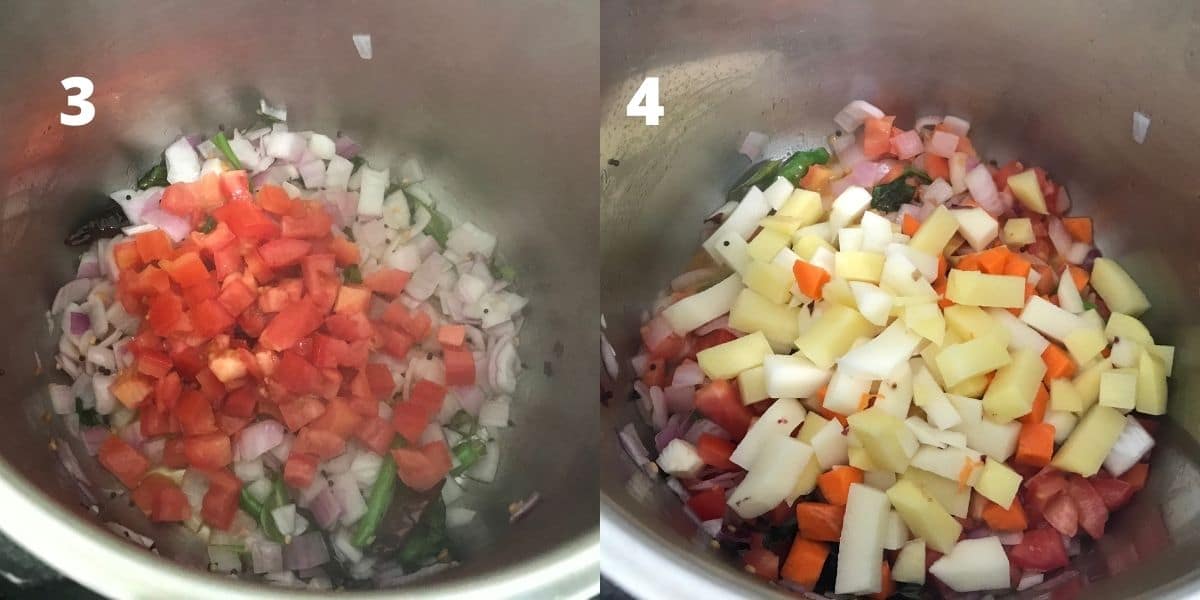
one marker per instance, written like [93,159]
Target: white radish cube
[882,355]
[680,459]
[732,250]
[910,563]
[997,440]
[793,376]
[1049,319]
[874,303]
[742,221]
[1118,389]
[696,310]
[861,544]
[896,533]
[927,264]
[772,477]
[976,226]
[896,391]
[974,565]
[1064,423]
[902,278]
[845,392]
[850,239]
[876,232]
[830,446]
[970,410]
[1133,444]
[778,192]
[932,436]
[783,417]
[950,463]
[849,207]
[1020,334]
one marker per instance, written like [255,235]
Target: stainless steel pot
[1055,84]
[490,95]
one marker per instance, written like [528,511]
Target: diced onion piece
[183,163]
[854,114]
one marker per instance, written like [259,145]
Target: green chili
[155,177]
[378,502]
[468,452]
[427,538]
[352,274]
[222,144]
[208,225]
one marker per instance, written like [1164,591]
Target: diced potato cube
[1125,353]
[927,264]
[1117,288]
[858,266]
[971,322]
[955,499]
[793,376]
[767,244]
[752,385]
[804,205]
[751,312]
[696,310]
[1085,344]
[848,207]
[781,224]
[861,545]
[807,245]
[962,465]
[1012,392]
[1087,382]
[772,477]
[926,320]
[933,234]
[901,277]
[1118,389]
[1051,320]
[958,362]
[996,440]
[880,480]
[930,398]
[772,281]
[822,230]
[1064,396]
[972,387]
[1018,232]
[1089,444]
[998,483]
[1122,326]
[833,334]
[910,563]
[1025,187]
[877,232]
[886,439]
[976,226]
[1064,423]
[845,392]
[784,415]
[1151,385]
[725,361]
[838,291]
[973,288]
[860,459]
[879,357]
[924,516]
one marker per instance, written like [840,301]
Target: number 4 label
[87,110]
[645,102]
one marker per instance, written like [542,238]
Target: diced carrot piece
[1037,414]
[1080,228]
[1035,444]
[835,483]
[1059,364]
[1017,266]
[888,586]
[1007,520]
[936,166]
[817,178]
[805,561]
[810,278]
[819,521]
[909,225]
[969,262]
[943,268]
[964,474]
[451,335]
[1080,276]
[993,260]
[1136,476]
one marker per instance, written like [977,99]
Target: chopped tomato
[375,434]
[153,245]
[309,221]
[416,323]
[284,252]
[1062,514]
[1040,550]
[320,442]
[387,282]
[236,297]
[227,260]
[410,417]
[299,470]
[708,504]
[207,192]
[297,374]
[235,185]
[712,338]
[720,402]
[178,199]
[451,335]
[173,455]
[762,563]
[668,346]
[460,367]
[204,290]
[252,321]
[123,461]
[165,313]
[208,451]
[195,414]
[241,402]
[1093,514]
[395,343]
[153,363]
[186,269]
[210,318]
[877,137]
[348,327]
[275,200]
[219,506]
[328,351]
[345,251]
[167,390]
[210,386]
[247,221]
[217,239]
[715,452]
[131,388]
[295,321]
[352,299]
[161,499]
[256,267]
[301,411]
[321,280]
[338,418]
[379,377]
[423,468]
[1114,492]
[154,420]
[152,280]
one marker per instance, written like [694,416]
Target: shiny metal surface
[498,99]
[1052,83]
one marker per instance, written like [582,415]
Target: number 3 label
[87,110]
[645,102]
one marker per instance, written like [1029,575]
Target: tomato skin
[1040,550]
[186,269]
[460,367]
[210,318]
[339,418]
[208,451]
[179,200]
[155,421]
[387,282]
[283,252]
[321,280]
[423,468]
[235,186]
[123,461]
[153,245]
[720,402]
[1093,514]
[167,390]
[328,351]
[195,414]
[299,470]
[320,442]
[297,374]
[380,380]
[375,434]
[708,504]
[301,411]
[715,452]
[295,321]
[275,200]
[1114,492]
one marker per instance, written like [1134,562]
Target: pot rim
[76,549]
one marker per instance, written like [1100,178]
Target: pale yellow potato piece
[972,387]
[767,244]
[807,481]
[1151,385]
[753,312]
[1117,288]
[952,497]
[972,322]
[888,441]
[752,384]
[858,266]
[925,319]
[1087,382]
[804,205]
[1012,392]
[1064,396]
[959,362]
[781,224]
[831,335]
[933,234]
[813,423]
[838,291]
[860,459]
[998,483]
[973,288]
[1025,187]
[726,361]
[1085,344]
[1017,232]
[805,246]
[1118,389]
[1090,442]
[924,516]
[1124,327]
[772,281]
[910,563]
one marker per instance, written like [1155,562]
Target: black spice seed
[547,370]
[614,162]
[726,243]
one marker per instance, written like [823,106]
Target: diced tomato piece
[272,300]
[235,185]
[275,200]
[173,455]
[292,323]
[299,469]
[415,323]
[194,295]
[153,245]
[1136,476]
[375,434]
[301,411]
[667,347]
[423,468]
[179,200]
[164,314]
[339,418]
[1093,514]
[708,504]
[235,297]
[328,351]
[219,507]
[284,252]
[186,269]
[877,136]
[321,280]
[352,299]
[297,374]
[388,282]
[379,377]
[257,268]
[126,255]
[310,221]
[208,451]
[210,318]
[1062,514]
[153,363]
[395,343]
[154,420]
[195,413]
[720,402]
[451,335]
[171,506]
[320,442]
[348,327]
[410,417]
[366,406]
[460,366]
[219,238]
[150,281]
[345,251]
[227,260]
[1040,550]
[712,338]
[357,355]
[715,452]
[360,385]
[252,321]
[146,492]
[207,192]
[764,564]
[1114,492]
[131,388]
[167,390]
[241,402]
[248,221]
[123,461]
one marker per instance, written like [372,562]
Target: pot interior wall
[449,81]
[1052,84]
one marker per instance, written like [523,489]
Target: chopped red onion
[658,408]
[711,527]
[1062,202]
[717,479]
[105,401]
[132,434]
[71,292]
[424,280]
[983,189]
[325,508]
[655,331]
[609,356]
[349,498]
[927,121]
[703,426]
[1028,580]
[93,438]
[840,185]
[312,172]
[937,192]
[1141,126]
[522,507]
[306,551]
[673,428]
[854,114]
[467,239]
[470,399]
[688,373]
[942,143]
[346,148]
[285,145]
[258,438]
[680,398]
[753,144]
[636,449]
[908,145]
[265,556]
[1078,254]
[1059,236]
[868,173]
[956,125]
